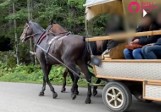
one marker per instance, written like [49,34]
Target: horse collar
[42,36]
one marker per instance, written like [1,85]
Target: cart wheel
[117,97]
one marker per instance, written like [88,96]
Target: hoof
[41,94]
[63,90]
[55,95]
[72,90]
[95,92]
[88,101]
[73,96]
[77,92]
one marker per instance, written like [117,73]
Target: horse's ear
[52,22]
[27,21]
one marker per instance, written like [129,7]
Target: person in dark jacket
[153,51]
[147,24]
[115,25]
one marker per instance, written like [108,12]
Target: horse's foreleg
[48,81]
[64,80]
[43,87]
[46,70]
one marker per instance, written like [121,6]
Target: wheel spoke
[119,93]
[110,100]
[109,95]
[115,103]
[113,91]
[118,99]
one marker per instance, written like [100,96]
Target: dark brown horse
[57,29]
[65,48]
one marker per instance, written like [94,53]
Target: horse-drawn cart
[141,78]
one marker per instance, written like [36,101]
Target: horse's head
[31,29]
[27,32]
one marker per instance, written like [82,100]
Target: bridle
[33,35]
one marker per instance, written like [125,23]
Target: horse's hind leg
[95,87]
[72,66]
[76,85]
[84,69]
[64,80]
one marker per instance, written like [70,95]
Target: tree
[68,13]
[15,33]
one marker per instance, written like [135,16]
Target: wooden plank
[106,56]
[126,79]
[120,36]
[152,99]
[155,83]
[118,78]
[132,61]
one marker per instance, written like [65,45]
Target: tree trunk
[29,7]
[15,33]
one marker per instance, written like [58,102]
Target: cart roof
[90,3]
[96,7]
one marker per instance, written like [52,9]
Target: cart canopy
[97,7]
[119,7]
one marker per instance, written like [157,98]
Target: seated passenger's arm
[147,40]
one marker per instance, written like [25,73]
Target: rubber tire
[127,96]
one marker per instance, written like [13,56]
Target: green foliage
[68,13]
[5,3]
[7,60]
[21,15]
[32,73]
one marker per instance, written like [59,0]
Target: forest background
[16,63]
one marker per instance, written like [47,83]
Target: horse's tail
[86,53]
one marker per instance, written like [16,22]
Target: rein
[33,35]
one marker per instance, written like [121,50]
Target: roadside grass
[33,74]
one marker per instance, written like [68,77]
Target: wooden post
[120,36]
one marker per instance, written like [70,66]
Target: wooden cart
[141,78]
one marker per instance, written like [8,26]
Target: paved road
[19,97]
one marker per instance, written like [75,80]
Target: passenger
[134,49]
[115,25]
[153,51]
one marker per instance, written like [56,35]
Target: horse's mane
[56,28]
[36,25]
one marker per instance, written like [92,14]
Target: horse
[67,49]
[56,29]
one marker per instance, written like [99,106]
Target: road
[21,97]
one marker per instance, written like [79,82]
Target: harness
[57,36]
